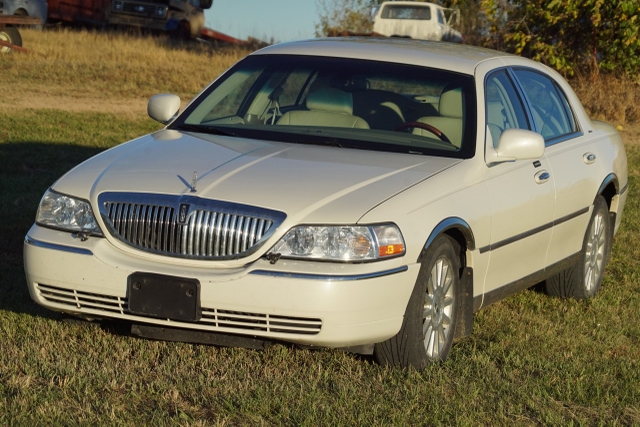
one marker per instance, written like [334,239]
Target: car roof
[410,3]
[456,57]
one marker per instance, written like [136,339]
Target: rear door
[572,158]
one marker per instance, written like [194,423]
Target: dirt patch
[131,107]
[35,100]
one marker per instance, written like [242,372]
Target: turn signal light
[390,250]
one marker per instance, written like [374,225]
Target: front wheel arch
[460,231]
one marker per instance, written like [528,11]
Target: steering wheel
[437,132]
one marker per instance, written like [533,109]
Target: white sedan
[367,194]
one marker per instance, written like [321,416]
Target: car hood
[308,183]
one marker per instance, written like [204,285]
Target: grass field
[532,360]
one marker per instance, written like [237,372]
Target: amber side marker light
[390,250]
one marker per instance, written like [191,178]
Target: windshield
[340,102]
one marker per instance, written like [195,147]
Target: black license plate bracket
[164,297]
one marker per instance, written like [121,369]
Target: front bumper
[322,304]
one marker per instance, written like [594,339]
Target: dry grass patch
[608,97]
[71,69]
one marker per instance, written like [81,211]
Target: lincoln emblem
[184,210]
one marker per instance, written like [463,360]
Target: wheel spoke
[448,302]
[433,279]
[427,308]
[446,320]
[427,327]
[443,273]
[430,341]
[588,277]
[599,227]
[441,339]
[447,284]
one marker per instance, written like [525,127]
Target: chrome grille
[139,9]
[208,230]
[212,319]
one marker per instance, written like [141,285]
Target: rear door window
[549,106]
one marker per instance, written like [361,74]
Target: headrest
[451,103]
[323,97]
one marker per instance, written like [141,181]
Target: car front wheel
[427,331]
[584,279]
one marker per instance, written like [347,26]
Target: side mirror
[163,108]
[206,4]
[515,144]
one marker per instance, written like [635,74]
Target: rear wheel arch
[610,190]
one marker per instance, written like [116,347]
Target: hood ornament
[194,182]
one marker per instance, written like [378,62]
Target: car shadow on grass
[28,169]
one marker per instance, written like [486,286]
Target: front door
[522,196]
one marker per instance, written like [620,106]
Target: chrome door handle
[542,177]
[589,158]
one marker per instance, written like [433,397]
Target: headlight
[67,213]
[341,243]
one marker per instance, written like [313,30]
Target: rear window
[422,13]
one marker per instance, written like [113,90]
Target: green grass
[532,359]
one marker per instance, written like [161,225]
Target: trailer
[10,37]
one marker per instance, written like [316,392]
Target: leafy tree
[567,34]
[337,16]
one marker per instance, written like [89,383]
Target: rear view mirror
[163,108]
[515,144]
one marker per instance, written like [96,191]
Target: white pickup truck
[416,20]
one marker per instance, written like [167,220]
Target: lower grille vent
[214,319]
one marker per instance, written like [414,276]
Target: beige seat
[449,122]
[328,107]
[495,120]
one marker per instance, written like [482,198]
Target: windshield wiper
[213,130]
[323,142]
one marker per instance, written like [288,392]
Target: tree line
[568,35]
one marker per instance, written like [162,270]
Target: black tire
[432,310]
[584,279]
[11,35]
[183,31]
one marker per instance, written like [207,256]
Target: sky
[282,20]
